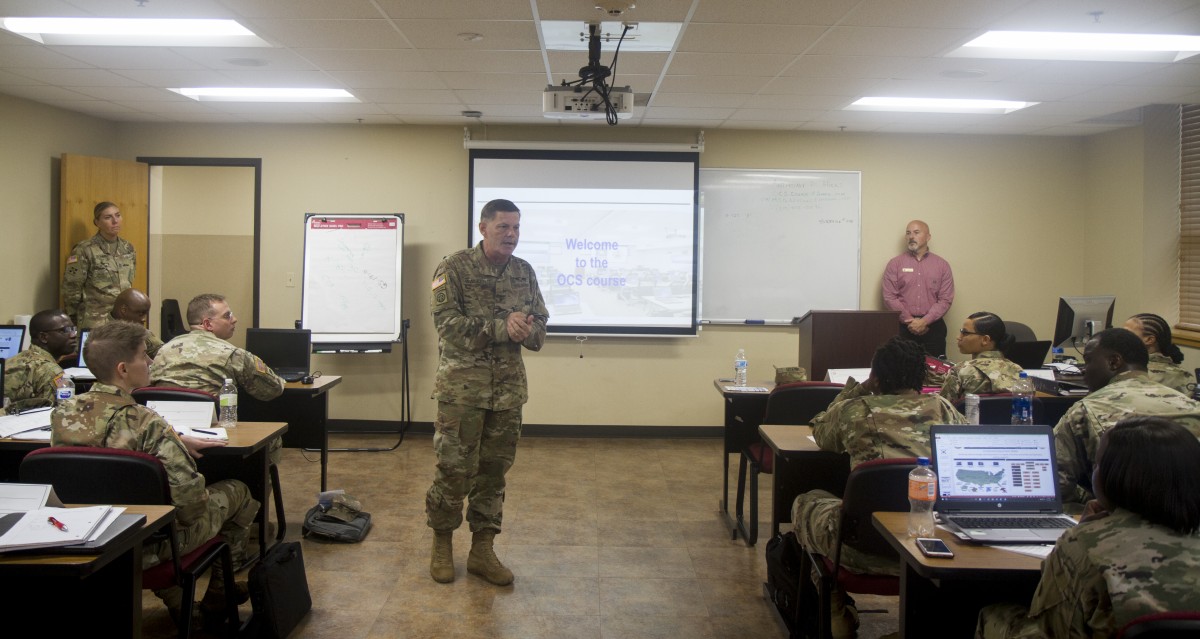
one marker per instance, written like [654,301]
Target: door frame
[254,163]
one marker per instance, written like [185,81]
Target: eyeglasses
[227,315]
[66,330]
[963,331]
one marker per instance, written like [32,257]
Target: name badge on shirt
[906,270]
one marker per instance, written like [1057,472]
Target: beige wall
[32,139]
[1010,213]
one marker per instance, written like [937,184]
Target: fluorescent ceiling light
[569,35]
[1101,47]
[243,94]
[134,32]
[938,105]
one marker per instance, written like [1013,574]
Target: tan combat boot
[441,558]
[483,562]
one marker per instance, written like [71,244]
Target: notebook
[1028,354]
[996,484]
[11,337]
[286,350]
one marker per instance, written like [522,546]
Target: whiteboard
[352,275]
[777,243]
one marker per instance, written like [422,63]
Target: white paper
[35,531]
[747,389]
[32,420]
[39,435]
[1044,373]
[16,498]
[842,375]
[75,372]
[1041,551]
[184,416]
[212,432]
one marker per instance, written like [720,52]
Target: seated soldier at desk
[108,417]
[883,418]
[985,339]
[1115,372]
[1134,553]
[132,305]
[31,377]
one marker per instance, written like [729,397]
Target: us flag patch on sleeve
[438,281]
[72,259]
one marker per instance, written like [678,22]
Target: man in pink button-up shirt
[920,286]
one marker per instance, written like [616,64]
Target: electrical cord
[599,77]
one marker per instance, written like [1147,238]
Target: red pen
[57,524]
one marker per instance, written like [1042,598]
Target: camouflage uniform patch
[1162,370]
[866,427]
[96,273]
[1102,575]
[1078,432]
[988,372]
[108,417]
[203,361]
[480,384]
[30,378]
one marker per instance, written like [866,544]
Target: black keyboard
[1012,522]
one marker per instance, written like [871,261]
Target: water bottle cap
[1024,375]
[922,461]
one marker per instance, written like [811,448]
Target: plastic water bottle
[64,389]
[1022,401]
[227,418]
[922,494]
[971,407]
[739,368]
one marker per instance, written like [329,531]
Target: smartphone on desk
[932,547]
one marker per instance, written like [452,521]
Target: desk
[305,408]
[744,411]
[942,597]
[800,466]
[245,458]
[82,595]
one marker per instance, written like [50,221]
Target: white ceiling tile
[406,96]
[889,41]
[367,59]
[510,110]
[37,57]
[1118,16]
[44,93]
[306,9]
[7,78]
[683,123]
[483,61]
[760,64]
[729,100]
[94,107]
[637,62]
[425,109]
[331,34]
[127,57]
[645,11]
[775,115]
[814,12]
[496,81]
[958,14]
[713,83]
[821,86]
[258,77]
[1150,95]
[758,125]
[792,101]
[749,38]
[455,9]
[391,80]
[220,58]
[847,67]
[499,35]
[128,94]
[80,77]
[687,113]
[175,77]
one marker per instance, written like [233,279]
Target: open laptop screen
[11,337]
[990,467]
[83,338]
[281,348]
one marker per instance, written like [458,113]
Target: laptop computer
[1055,387]
[286,350]
[996,484]
[11,338]
[1029,354]
[80,371]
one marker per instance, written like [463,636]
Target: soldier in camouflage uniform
[1115,372]
[108,417]
[1135,553]
[486,306]
[984,338]
[203,360]
[31,377]
[98,269]
[1165,356]
[884,418]
[133,305]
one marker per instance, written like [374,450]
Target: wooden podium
[843,339]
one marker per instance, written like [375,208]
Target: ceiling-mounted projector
[585,103]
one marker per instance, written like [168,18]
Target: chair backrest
[92,475]
[171,394]
[873,486]
[171,320]
[996,408]
[799,402]
[1162,625]
[1020,331]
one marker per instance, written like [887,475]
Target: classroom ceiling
[737,64]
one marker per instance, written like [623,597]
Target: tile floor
[608,539]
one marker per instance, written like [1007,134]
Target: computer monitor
[1081,317]
[83,340]
[11,337]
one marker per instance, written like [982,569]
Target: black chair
[175,394]
[171,320]
[1162,625]
[1020,331]
[91,475]
[794,403]
[873,486]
